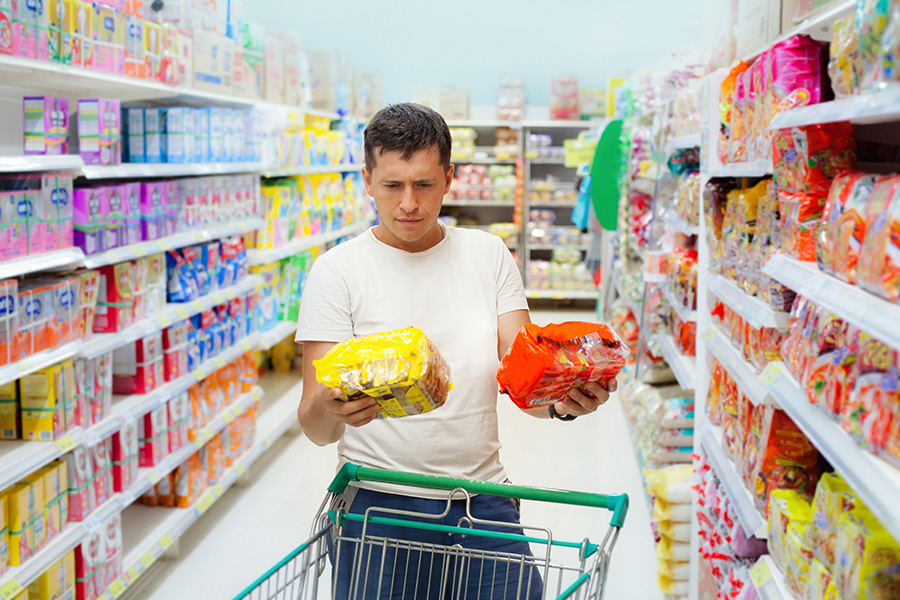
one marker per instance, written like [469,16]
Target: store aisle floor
[252,527]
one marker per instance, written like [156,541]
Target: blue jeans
[418,573]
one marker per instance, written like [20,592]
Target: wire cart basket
[391,567]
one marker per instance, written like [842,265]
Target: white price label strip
[10,589]
[770,374]
[760,574]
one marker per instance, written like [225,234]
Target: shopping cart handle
[618,504]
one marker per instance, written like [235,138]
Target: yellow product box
[43,397]
[26,523]
[23,595]
[9,409]
[57,582]
[56,498]
[4,534]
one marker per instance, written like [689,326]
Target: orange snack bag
[806,159]
[868,412]
[544,363]
[787,459]
[843,225]
[879,257]
[726,104]
[801,214]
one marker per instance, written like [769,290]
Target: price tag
[27,364]
[199,236]
[198,374]
[207,433]
[92,524]
[10,589]
[65,443]
[198,306]
[161,245]
[198,442]
[140,251]
[164,321]
[219,362]
[153,476]
[117,588]
[256,393]
[219,490]
[165,541]
[131,574]
[228,417]
[147,560]
[220,298]
[91,438]
[760,574]
[240,469]
[770,374]
[710,334]
[182,313]
[247,346]
[205,502]
[267,443]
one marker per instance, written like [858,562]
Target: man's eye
[424,185]
[392,186]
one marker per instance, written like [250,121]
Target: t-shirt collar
[444,229]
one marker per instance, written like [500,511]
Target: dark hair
[406,128]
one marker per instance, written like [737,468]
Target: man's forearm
[316,427]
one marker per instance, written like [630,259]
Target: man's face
[408,196]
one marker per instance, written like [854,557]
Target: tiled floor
[254,526]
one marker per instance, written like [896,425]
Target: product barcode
[8,433]
[46,436]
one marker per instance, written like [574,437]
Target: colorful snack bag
[797,558]
[726,103]
[872,16]
[865,551]
[179,416]
[844,67]
[878,266]
[806,159]
[843,225]
[823,366]
[802,215]
[785,507]
[737,151]
[868,411]
[837,392]
[787,460]
[833,498]
[373,365]
[795,75]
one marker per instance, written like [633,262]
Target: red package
[152,436]
[837,393]
[787,459]
[868,412]
[715,392]
[843,224]
[544,363]
[801,215]
[879,264]
[823,368]
[806,159]
[726,103]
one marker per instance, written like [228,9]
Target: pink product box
[205,200]
[89,206]
[101,455]
[131,210]
[9,320]
[21,206]
[90,566]
[114,220]
[125,456]
[170,207]
[82,391]
[115,299]
[46,125]
[152,437]
[141,288]
[80,475]
[101,401]
[179,411]
[26,20]
[113,548]
[153,209]
[138,367]
[100,131]
[188,204]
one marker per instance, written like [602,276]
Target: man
[463,289]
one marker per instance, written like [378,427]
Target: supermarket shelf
[751,520]
[161,527]
[561,124]
[485,203]
[268,339]
[57,78]
[871,107]
[769,580]
[547,161]
[740,370]
[581,247]
[39,361]
[682,143]
[265,257]
[138,170]
[485,161]
[552,204]
[680,225]
[561,294]
[31,164]
[757,168]
[59,259]
[853,304]
[76,533]
[875,481]
[310,170]
[107,342]
[818,25]
[753,310]
[684,313]
[179,240]
[475,123]
[684,367]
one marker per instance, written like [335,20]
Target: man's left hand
[578,403]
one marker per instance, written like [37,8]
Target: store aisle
[252,527]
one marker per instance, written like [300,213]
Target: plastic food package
[401,369]
[785,507]
[726,103]
[843,224]
[544,363]
[806,159]
[794,76]
[872,17]
[875,397]
[843,62]
[787,461]
[879,267]
[797,557]
[737,151]
[801,216]
[867,557]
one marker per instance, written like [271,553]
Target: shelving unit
[268,339]
[684,313]
[759,168]
[561,294]
[682,366]
[32,164]
[48,261]
[139,170]
[264,257]
[768,580]
[310,170]
[740,370]
[753,310]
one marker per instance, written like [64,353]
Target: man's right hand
[354,413]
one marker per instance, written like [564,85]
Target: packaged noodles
[400,369]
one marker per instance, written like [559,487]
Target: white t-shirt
[454,292]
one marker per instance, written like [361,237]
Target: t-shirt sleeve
[325,309]
[510,290]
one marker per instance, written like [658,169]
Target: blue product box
[190,138]
[201,134]
[133,148]
[154,151]
[216,136]
[173,135]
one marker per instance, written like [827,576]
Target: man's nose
[408,201]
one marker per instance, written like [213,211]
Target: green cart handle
[618,504]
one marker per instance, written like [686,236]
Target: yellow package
[666,511]
[283,355]
[4,534]
[56,501]
[48,402]
[833,498]
[400,369]
[672,484]
[797,557]
[866,556]
[819,579]
[785,507]
[678,532]
[57,582]
[9,408]
[25,524]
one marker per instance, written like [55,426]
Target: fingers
[612,385]
[355,413]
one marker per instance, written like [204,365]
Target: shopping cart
[384,567]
